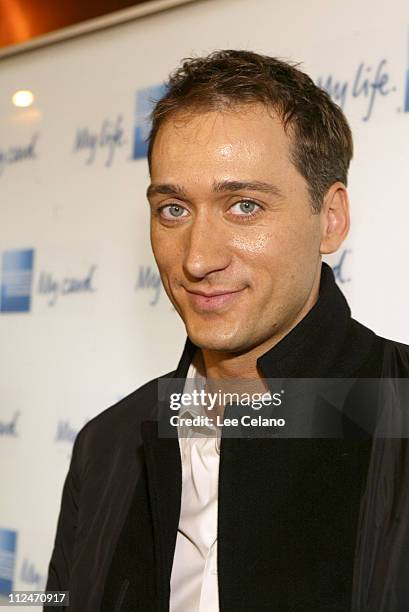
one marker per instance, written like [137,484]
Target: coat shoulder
[396,359]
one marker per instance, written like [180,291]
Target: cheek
[160,244]
[252,245]
[258,257]
[166,252]
[262,247]
[278,253]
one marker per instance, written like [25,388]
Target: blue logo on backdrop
[16,278]
[18,153]
[9,428]
[52,287]
[65,435]
[66,432]
[145,101]
[8,541]
[149,280]
[369,83]
[108,137]
[31,576]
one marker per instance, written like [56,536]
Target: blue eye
[175,211]
[247,207]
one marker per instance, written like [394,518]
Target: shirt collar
[196,380]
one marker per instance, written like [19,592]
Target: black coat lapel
[139,574]
[165,485]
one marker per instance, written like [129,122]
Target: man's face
[232,229]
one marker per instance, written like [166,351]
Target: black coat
[288,508]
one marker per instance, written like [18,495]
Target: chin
[225,343]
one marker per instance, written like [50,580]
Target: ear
[335,220]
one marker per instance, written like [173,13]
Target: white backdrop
[90,322]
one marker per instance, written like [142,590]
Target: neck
[227,365]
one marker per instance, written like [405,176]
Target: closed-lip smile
[214,293]
[215,300]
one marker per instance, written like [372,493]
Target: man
[248,162]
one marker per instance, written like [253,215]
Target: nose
[206,248]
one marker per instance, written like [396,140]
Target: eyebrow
[219,187]
[248,186]
[165,189]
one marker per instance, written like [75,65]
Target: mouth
[215,300]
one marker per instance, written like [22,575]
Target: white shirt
[194,586]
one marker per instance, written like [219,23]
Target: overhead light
[23,97]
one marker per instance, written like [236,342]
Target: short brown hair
[321,138]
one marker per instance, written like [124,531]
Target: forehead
[241,139]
